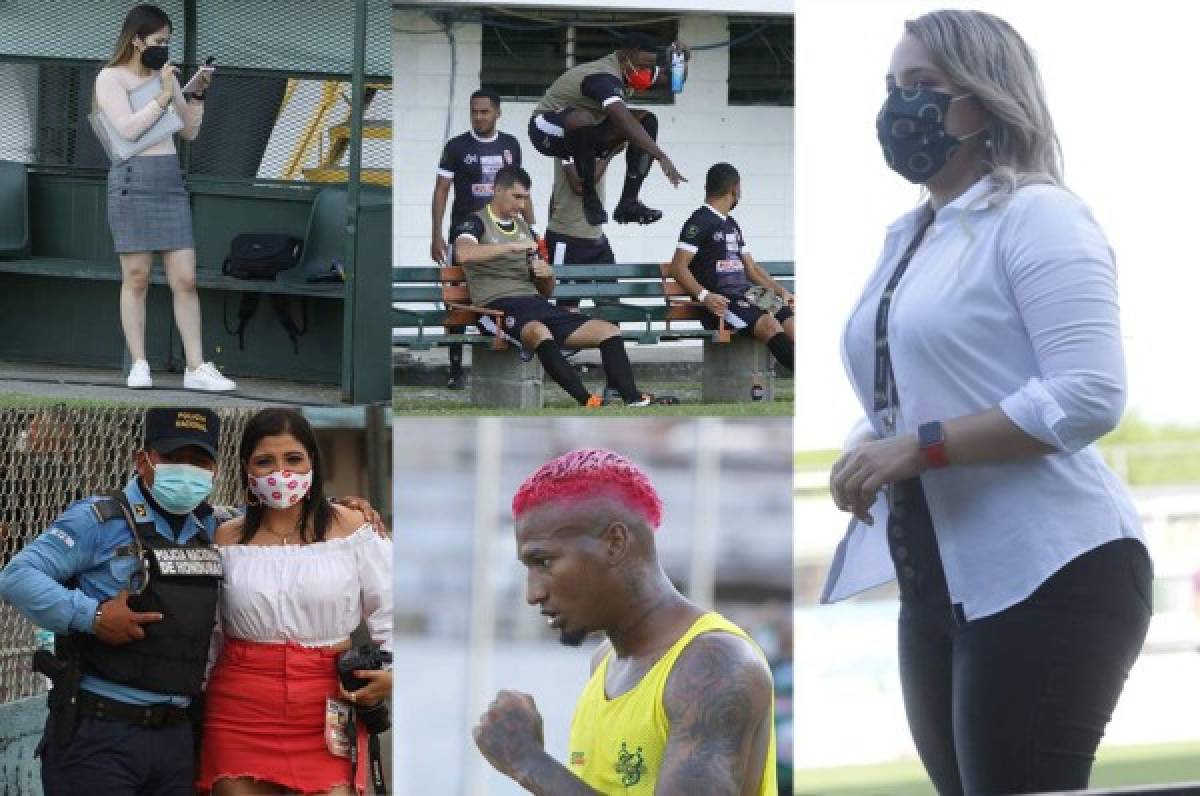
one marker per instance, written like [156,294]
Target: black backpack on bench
[261,256]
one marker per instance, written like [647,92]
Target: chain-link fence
[279,106]
[53,456]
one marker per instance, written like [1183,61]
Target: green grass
[445,403]
[16,400]
[1153,455]
[1115,767]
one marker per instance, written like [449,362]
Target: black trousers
[119,759]
[1015,702]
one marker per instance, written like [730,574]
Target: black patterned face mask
[912,131]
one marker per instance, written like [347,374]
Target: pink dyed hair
[588,473]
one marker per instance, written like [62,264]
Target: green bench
[427,299]
[59,293]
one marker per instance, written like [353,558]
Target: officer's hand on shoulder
[116,623]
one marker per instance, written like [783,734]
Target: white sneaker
[139,376]
[208,379]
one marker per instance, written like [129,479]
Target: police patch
[192,561]
[139,511]
[692,231]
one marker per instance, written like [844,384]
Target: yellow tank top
[617,745]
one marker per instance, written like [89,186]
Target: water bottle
[676,70]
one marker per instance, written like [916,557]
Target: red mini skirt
[265,718]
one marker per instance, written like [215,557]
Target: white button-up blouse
[1011,304]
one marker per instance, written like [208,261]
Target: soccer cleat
[650,399]
[594,402]
[593,210]
[139,376]
[633,211]
[207,378]
[456,381]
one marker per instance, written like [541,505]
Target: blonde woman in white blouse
[300,575]
[148,206]
[986,352]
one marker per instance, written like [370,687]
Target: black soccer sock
[618,370]
[561,371]
[584,142]
[456,351]
[783,350]
[638,162]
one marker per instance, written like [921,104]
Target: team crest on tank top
[630,765]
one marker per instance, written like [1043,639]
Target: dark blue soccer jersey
[716,244]
[472,164]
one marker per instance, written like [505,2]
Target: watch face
[929,434]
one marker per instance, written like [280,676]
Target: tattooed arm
[718,700]
[509,735]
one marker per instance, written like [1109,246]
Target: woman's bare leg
[180,265]
[135,281]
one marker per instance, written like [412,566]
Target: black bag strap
[283,312]
[374,756]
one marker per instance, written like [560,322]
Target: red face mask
[640,79]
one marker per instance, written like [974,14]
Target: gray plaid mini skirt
[148,208]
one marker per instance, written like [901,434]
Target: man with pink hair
[679,699]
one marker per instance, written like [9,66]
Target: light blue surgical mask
[179,488]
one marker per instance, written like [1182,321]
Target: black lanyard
[886,397]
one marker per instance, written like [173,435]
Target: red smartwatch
[931,438]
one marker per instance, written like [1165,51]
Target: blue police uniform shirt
[79,545]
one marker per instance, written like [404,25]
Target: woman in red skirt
[300,575]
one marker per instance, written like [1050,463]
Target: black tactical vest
[183,587]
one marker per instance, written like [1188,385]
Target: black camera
[362,658]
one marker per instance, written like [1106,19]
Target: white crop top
[313,595]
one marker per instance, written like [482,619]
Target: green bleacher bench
[59,297]
[427,299]
[14,209]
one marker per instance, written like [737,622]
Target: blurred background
[463,628]
[847,667]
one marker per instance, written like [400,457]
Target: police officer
[128,583]
[469,163]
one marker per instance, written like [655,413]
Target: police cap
[171,429]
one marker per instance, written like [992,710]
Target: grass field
[1151,455]
[1115,767]
[12,400]
[445,403]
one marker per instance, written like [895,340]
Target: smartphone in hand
[206,69]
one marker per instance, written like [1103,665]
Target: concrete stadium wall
[698,130]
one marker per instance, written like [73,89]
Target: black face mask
[912,131]
[154,57]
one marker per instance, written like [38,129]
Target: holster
[64,670]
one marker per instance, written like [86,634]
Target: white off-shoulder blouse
[313,595]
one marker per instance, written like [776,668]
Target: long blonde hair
[142,20]
[984,55]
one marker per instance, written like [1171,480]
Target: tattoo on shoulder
[716,699]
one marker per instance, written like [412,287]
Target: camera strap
[376,764]
[374,755]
